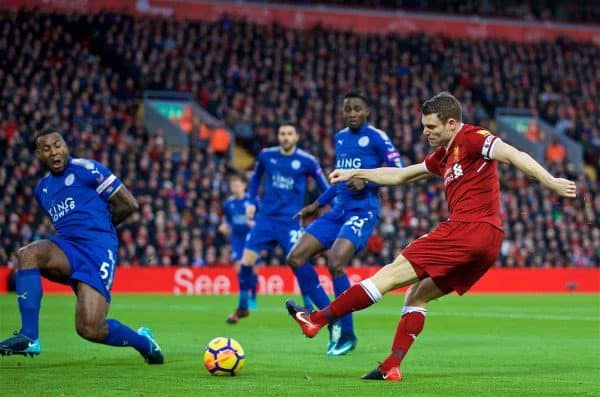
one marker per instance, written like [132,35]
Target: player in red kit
[460,250]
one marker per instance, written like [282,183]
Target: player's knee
[28,257]
[91,330]
[294,260]
[336,269]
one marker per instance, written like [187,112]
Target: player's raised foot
[344,345]
[335,331]
[154,356]
[20,344]
[236,315]
[301,316]
[393,375]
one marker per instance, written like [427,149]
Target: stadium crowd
[583,11]
[85,74]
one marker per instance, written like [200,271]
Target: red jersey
[470,176]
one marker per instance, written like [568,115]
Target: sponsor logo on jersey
[363,141]
[62,208]
[348,163]
[484,132]
[453,173]
[283,182]
[239,219]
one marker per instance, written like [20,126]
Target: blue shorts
[237,247]
[92,265]
[269,231]
[355,225]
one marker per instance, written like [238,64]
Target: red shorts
[455,254]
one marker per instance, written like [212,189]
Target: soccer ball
[224,356]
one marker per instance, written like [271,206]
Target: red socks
[409,327]
[357,297]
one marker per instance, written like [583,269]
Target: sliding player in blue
[285,170]
[345,229]
[85,201]
[236,227]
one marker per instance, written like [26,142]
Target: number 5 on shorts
[107,270]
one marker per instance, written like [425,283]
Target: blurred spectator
[555,152]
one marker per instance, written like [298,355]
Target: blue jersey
[366,148]
[235,216]
[77,202]
[285,181]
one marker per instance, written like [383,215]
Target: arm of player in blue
[255,180]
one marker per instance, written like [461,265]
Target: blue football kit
[285,179]
[77,203]
[234,210]
[354,214]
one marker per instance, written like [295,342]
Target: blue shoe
[344,345]
[335,331]
[154,356]
[20,344]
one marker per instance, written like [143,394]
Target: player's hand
[356,184]
[250,212]
[564,187]
[306,212]
[224,229]
[340,175]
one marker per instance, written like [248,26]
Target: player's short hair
[357,93]
[287,122]
[238,176]
[445,105]
[43,132]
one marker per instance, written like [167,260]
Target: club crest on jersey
[363,141]
[456,153]
[296,164]
[62,208]
[69,180]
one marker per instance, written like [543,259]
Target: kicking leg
[40,257]
[360,296]
[410,326]
[91,324]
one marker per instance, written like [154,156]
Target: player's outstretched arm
[524,162]
[121,205]
[383,175]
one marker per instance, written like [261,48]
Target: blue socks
[341,284]
[122,335]
[246,278]
[29,295]
[308,280]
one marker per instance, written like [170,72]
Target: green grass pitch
[476,345]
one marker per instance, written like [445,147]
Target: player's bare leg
[91,324]
[410,326]
[245,273]
[41,257]
[340,254]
